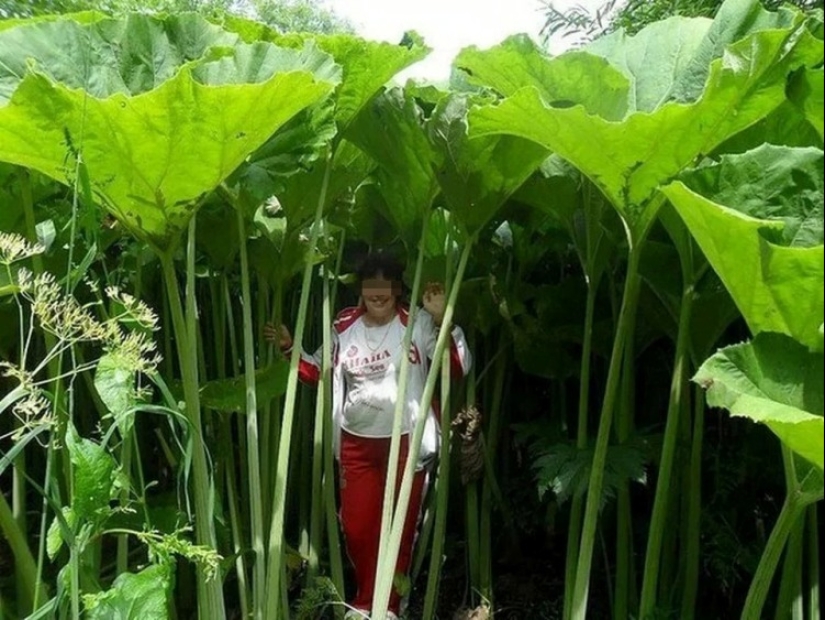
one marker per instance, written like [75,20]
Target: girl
[367,349]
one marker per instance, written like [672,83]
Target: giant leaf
[807,91]
[301,192]
[735,20]
[654,59]
[628,160]
[477,176]
[367,65]
[390,130]
[131,56]
[776,286]
[152,153]
[771,183]
[775,381]
[574,78]
[135,596]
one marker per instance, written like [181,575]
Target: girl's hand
[279,336]
[434,301]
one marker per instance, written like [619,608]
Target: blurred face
[379,295]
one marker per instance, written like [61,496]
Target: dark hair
[380,263]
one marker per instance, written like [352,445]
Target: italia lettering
[358,362]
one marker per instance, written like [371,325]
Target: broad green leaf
[391,132]
[777,288]
[131,56]
[787,125]
[293,150]
[218,233]
[229,395]
[770,183]
[628,160]
[152,155]
[115,384]
[558,189]
[573,78]
[301,192]
[735,20]
[134,596]
[478,175]
[654,59]
[807,92]
[775,381]
[367,65]
[92,475]
[84,17]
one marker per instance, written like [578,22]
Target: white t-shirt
[371,361]
[366,365]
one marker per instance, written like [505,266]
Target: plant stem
[210,593]
[333,534]
[384,581]
[814,610]
[694,516]
[442,489]
[253,450]
[275,567]
[471,499]
[658,519]
[398,417]
[594,492]
[792,509]
[490,486]
[316,515]
[575,525]
[789,603]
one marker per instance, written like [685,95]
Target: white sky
[449,25]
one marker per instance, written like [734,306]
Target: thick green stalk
[577,508]
[471,509]
[316,515]
[234,519]
[333,534]
[790,602]
[386,566]
[300,478]
[275,568]
[490,486]
[252,443]
[594,491]
[442,489]
[694,514]
[814,609]
[658,519]
[626,592]
[790,588]
[792,510]
[398,417]
[269,421]
[210,592]
[624,552]
[796,500]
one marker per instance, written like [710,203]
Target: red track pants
[363,476]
